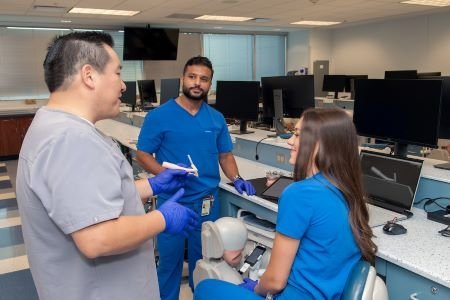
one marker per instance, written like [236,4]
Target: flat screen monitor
[444,129]
[129,96]
[400,74]
[170,88]
[351,83]
[404,111]
[150,43]
[335,83]
[238,100]
[147,92]
[428,74]
[297,94]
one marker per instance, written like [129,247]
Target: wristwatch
[237,177]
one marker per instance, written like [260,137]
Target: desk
[125,134]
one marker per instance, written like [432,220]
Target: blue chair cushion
[356,281]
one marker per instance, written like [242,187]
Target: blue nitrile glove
[249,284]
[168,181]
[242,185]
[179,219]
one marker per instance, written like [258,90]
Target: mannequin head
[233,233]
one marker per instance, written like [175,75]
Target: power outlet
[281,158]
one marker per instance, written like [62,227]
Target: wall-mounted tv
[150,43]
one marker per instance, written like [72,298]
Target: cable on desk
[430,201]
[259,142]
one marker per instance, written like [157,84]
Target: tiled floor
[15,278]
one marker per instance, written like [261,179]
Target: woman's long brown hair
[338,160]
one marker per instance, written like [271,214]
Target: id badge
[206,205]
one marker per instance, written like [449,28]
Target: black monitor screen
[400,74]
[147,91]
[170,88]
[150,43]
[403,111]
[335,83]
[297,93]
[444,131]
[238,100]
[129,96]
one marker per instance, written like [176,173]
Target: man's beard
[187,93]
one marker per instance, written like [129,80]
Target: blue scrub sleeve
[224,143]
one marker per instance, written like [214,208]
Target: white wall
[420,42]
[297,55]
[320,41]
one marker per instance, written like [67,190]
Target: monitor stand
[242,128]
[278,120]
[401,149]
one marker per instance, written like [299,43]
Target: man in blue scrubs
[181,127]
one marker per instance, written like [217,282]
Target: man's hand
[242,185]
[168,181]
[179,219]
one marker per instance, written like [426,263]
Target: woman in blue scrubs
[322,224]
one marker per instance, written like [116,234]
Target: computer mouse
[394,229]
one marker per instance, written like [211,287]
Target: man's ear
[88,75]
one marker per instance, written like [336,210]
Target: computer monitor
[238,100]
[147,92]
[335,83]
[350,84]
[404,111]
[129,96]
[428,74]
[444,125]
[297,94]
[400,74]
[170,88]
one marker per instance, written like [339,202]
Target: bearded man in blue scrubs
[184,126]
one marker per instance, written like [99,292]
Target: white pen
[169,165]
[192,165]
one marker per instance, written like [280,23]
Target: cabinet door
[10,137]
[23,124]
[403,284]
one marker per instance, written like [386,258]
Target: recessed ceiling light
[428,2]
[66,21]
[223,18]
[218,27]
[315,23]
[37,28]
[95,11]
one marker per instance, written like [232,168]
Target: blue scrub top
[172,133]
[315,212]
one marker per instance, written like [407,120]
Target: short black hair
[67,53]
[199,60]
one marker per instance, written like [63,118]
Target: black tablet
[274,191]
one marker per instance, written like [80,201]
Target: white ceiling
[279,13]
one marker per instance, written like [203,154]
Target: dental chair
[364,284]
[225,234]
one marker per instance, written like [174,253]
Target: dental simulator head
[222,244]
[233,233]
